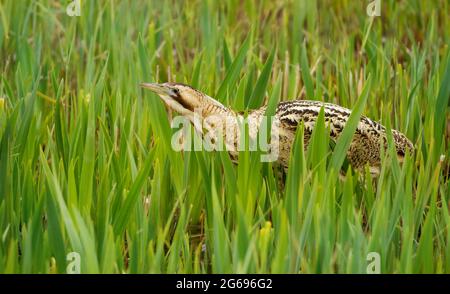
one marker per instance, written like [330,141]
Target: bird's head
[184,99]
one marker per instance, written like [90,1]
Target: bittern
[365,148]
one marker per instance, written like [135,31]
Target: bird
[212,117]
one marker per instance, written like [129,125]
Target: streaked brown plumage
[364,149]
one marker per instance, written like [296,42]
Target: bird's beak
[166,94]
[156,88]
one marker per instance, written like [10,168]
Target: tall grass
[86,163]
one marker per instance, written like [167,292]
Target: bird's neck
[216,116]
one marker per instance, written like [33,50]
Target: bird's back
[368,137]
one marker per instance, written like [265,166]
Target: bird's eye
[176,91]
